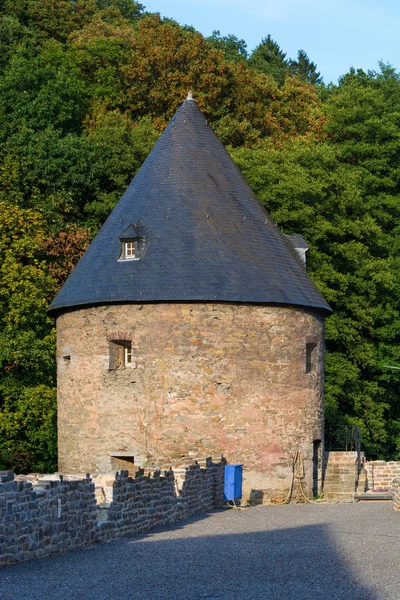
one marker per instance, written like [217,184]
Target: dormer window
[129,250]
[132,242]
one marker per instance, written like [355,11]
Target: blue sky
[336,34]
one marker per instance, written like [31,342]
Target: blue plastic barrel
[233,482]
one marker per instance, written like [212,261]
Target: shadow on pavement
[181,563]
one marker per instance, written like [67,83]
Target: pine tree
[268,58]
[305,69]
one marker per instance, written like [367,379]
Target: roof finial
[189,96]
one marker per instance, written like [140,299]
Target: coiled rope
[297,474]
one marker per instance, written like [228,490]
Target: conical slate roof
[201,234]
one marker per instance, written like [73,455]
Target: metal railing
[345,438]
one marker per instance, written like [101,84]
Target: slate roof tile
[206,236]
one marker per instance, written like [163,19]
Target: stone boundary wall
[396,494]
[62,513]
[380,474]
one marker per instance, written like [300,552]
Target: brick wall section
[205,379]
[62,514]
[396,493]
[380,474]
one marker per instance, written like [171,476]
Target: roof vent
[299,246]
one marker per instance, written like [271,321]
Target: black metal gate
[345,438]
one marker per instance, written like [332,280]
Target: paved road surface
[299,552]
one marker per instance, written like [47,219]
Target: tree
[305,69]
[363,124]
[51,18]
[164,61]
[63,251]
[27,344]
[41,87]
[129,9]
[119,147]
[86,86]
[308,189]
[269,59]
[233,48]
[58,19]
[12,33]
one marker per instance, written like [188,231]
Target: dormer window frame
[133,243]
[129,249]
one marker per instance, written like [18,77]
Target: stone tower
[190,326]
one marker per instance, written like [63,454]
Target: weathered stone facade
[242,380]
[42,515]
[396,493]
[380,474]
[346,474]
[343,474]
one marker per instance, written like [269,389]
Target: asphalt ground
[299,552]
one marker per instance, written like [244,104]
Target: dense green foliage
[268,58]
[86,87]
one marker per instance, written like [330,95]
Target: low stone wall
[380,474]
[42,517]
[396,493]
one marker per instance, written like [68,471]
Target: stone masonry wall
[396,494]
[380,474]
[343,474]
[48,516]
[204,379]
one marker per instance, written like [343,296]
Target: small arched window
[120,354]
